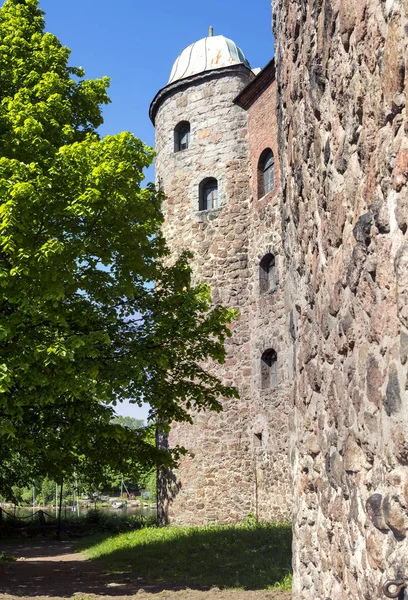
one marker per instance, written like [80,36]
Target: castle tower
[204,168]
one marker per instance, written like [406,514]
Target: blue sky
[135,43]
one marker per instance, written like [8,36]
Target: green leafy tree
[130,422]
[121,481]
[149,482]
[81,325]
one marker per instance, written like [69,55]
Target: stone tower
[237,462]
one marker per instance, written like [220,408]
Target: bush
[93,516]
[4,557]
[117,523]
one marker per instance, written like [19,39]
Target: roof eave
[180,84]
[259,84]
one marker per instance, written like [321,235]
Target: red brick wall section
[263,133]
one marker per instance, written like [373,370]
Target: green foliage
[5,557]
[94,522]
[234,556]
[45,493]
[80,486]
[285,584]
[117,522]
[251,521]
[129,422]
[149,483]
[81,325]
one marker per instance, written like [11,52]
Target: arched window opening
[268,274]
[208,194]
[182,136]
[266,173]
[269,370]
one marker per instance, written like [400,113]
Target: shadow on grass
[247,557]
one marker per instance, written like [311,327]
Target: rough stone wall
[214,482]
[344,162]
[226,475]
[267,320]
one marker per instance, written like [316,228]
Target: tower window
[266,173]
[208,194]
[258,440]
[182,136]
[269,370]
[268,274]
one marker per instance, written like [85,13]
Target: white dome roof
[213,52]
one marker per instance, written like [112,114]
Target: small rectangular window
[182,136]
[269,370]
[185,140]
[266,172]
[268,274]
[208,194]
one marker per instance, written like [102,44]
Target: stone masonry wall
[215,481]
[267,319]
[344,160]
[226,475]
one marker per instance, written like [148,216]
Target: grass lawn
[250,557]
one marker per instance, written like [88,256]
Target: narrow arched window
[269,369]
[268,274]
[208,194]
[266,173]
[182,136]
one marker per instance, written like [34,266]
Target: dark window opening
[266,173]
[268,274]
[257,440]
[269,370]
[182,136]
[208,194]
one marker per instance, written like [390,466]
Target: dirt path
[52,570]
